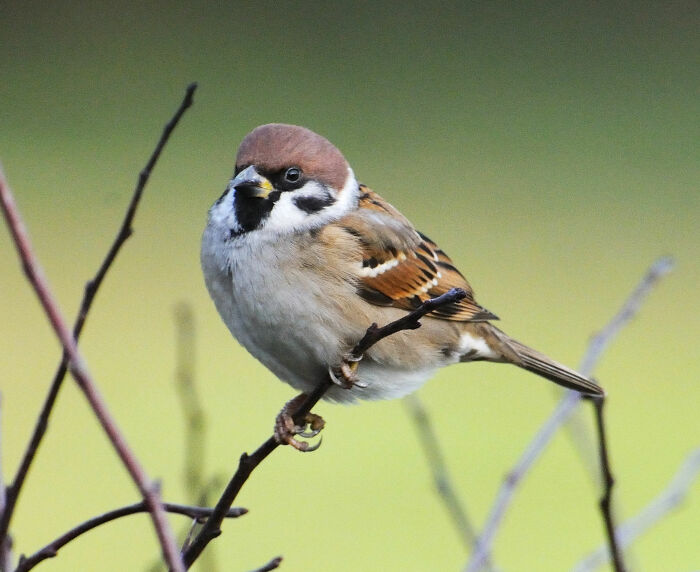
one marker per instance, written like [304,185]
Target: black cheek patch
[250,213]
[312,205]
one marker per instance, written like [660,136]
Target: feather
[401,267]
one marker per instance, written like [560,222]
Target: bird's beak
[250,183]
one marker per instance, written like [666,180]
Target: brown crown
[275,146]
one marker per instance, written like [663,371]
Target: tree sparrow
[300,259]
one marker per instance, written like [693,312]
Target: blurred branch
[441,478]
[271,565]
[189,399]
[562,411]
[198,491]
[91,288]
[659,507]
[608,484]
[51,549]
[248,463]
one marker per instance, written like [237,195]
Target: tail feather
[506,349]
[540,364]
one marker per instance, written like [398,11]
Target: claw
[345,375]
[286,430]
[309,434]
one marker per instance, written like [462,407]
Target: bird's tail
[525,357]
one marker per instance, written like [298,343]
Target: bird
[300,258]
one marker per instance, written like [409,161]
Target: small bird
[300,258]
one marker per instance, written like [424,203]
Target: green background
[550,149]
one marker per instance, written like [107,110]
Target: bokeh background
[551,149]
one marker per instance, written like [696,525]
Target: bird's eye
[292,175]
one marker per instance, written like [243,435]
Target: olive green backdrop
[551,150]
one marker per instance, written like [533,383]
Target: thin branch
[562,411]
[83,378]
[248,463]
[441,478]
[51,549]
[6,542]
[600,342]
[608,484]
[198,491]
[668,499]
[91,289]
[271,565]
[193,412]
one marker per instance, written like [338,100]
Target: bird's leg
[345,374]
[286,430]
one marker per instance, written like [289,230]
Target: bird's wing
[401,267]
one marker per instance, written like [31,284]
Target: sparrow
[300,258]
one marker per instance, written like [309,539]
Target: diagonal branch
[562,411]
[82,376]
[248,463]
[51,549]
[91,288]
[271,565]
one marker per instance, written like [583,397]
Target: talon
[286,430]
[345,375]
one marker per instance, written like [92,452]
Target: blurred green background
[551,150]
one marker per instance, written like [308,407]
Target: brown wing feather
[401,267]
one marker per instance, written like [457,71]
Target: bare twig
[600,342]
[608,484]
[5,543]
[562,412]
[83,378]
[271,565]
[51,549]
[248,463]
[198,491]
[91,289]
[189,400]
[660,506]
[441,478]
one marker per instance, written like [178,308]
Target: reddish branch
[51,549]
[73,360]
[248,463]
[91,288]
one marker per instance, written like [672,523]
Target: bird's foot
[286,430]
[345,374]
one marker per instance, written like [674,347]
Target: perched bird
[300,258]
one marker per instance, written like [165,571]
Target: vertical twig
[441,477]
[608,484]
[6,542]
[562,411]
[91,288]
[197,490]
[668,499]
[82,376]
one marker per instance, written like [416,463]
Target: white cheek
[286,215]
